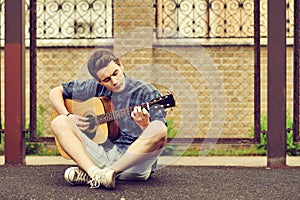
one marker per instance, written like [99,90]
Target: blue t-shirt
[135,93]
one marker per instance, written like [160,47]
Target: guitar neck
[158,103]
[118,114]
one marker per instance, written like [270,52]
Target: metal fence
[58,29]
[215,18]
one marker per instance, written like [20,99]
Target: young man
[141,136]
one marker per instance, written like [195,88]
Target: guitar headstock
[166,101]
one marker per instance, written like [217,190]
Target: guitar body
[92,107]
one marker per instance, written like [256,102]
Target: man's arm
[57,101]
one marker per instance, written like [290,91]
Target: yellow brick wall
[132,14]
[234,64]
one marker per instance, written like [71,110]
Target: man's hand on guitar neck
[81,122]
[141,117]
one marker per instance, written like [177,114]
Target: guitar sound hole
[92,122]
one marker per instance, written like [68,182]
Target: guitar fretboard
[118,114]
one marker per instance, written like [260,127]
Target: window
[64,20]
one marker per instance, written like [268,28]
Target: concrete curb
[239,161]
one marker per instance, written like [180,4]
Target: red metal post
[14,51]
[276,135]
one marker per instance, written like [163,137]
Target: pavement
[176,178]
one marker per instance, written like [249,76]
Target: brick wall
[175,74]
[234,64]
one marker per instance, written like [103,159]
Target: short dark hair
[100,59]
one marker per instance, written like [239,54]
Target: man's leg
[75,143]
[139,172]
[147,147]
[66,133]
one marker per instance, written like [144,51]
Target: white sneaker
[103,177]
[76,176]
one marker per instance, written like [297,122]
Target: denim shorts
[104,156]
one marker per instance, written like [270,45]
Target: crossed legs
[146,147]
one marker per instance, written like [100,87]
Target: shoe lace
[94,183]
[81,178]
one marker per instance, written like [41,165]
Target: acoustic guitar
[102,116]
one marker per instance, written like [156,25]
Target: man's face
[112,77]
